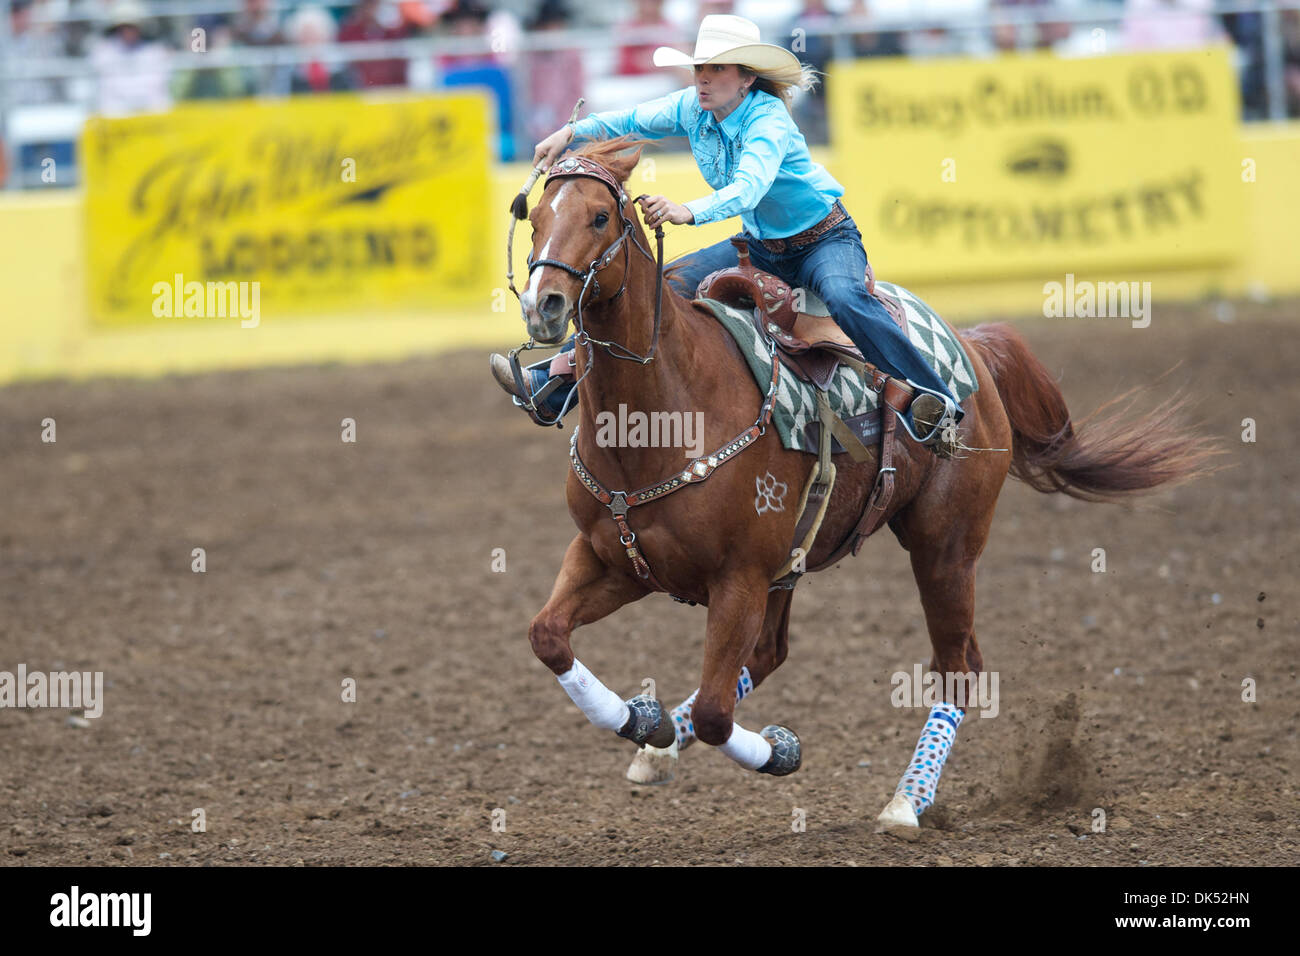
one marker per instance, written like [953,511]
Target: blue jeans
[833,268]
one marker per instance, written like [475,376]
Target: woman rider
[742,134]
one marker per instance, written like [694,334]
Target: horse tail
[1101,460]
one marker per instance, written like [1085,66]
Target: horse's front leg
[653,765]
[587,590]
[737,612]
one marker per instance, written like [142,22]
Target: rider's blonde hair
[781,89]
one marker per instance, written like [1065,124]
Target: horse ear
[627,159]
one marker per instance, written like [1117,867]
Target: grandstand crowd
[127,59]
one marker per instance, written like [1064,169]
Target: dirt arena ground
[372,560]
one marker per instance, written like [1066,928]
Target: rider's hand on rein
[660,209]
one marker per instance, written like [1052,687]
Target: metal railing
[970,31]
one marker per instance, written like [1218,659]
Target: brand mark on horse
[771,493]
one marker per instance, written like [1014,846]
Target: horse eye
[601,219]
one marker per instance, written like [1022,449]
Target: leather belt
[833,218]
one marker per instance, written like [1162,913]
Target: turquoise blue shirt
[756,159]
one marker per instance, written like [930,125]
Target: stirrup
[942,436]
[533,405]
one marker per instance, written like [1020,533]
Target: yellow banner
[315,205]
[1027,164]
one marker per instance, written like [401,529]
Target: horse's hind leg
[654,765]
[587,590]
[943,562]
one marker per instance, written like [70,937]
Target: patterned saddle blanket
[795,415]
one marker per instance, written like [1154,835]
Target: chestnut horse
[712,544]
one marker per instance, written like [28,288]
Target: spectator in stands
[635,59]
[1006,35]
[555,77]
[371,20]
[80,36]
[506,30]
[257,25]
[132,71]
[884,43]
[465,18]
[29,40]
[220,82]
[311,28]
[816,50]
[483,69]
[1042,35]
[1247,32]
[418,17]
[1170,24]
[1291,59]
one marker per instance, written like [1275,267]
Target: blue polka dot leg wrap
[681,714]
[922,777]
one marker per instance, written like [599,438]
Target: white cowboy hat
[724,38]
[126,13]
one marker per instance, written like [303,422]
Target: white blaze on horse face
[559,194]
[529,298]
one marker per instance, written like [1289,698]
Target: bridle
[618,501]
[581,166]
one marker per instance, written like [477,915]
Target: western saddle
[812,346]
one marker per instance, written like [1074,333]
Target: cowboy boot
[547,392]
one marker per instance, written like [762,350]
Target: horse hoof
[646,723]
[787,755]
[898,813]
[654,765]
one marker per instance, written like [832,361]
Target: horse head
[584,227]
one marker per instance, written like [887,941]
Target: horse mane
[614,154]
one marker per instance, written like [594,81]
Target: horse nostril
[553,306]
